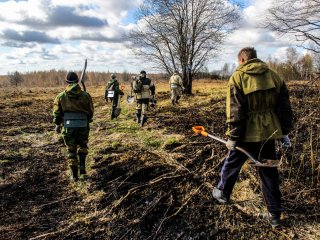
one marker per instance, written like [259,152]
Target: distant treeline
[55,78]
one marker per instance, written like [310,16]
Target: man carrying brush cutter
[144,90]
[112,94]
[258,113]
[73,109]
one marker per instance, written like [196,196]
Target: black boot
[112,113]
[74,173]
[143,120]
[177,101]
[173,102]
[82,160]
[138,115]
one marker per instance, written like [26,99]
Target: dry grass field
[151,182]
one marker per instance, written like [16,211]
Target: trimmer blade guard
[130,99]
[117,112]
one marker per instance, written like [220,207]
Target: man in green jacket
[113,93]
[73,110]
[258,113]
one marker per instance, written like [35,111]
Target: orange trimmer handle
[200,130]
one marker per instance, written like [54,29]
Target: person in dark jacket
[258,113]
[144,90]
[113,94]
[73,111]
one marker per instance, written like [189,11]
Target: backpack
[137,86]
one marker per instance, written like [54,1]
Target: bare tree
[224,71]
[316,60]
[300,18]
[15,78]
[182,34]
[292,62]
[305,66]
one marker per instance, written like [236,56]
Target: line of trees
[294,67]
[53,78]
[297,67]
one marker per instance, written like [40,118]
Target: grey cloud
[121,5]
[18,45]
[65,17]
[11,57]
[47,56]
[266,37]
[28,36]
[99,38]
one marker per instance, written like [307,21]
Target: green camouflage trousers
[175,93]
[142,105]
[76,141]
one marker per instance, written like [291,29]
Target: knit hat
[72,77]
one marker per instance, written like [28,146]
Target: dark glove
[57,129]
[285,141]
[231,145]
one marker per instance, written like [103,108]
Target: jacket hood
[73,90]
[253,66]
[112,80]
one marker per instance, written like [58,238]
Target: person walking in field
[258,113]
[176,87]
[113,94]
[72,113]
[144,90]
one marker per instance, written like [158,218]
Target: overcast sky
[60,34]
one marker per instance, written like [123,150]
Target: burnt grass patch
[34,195]
[136,192]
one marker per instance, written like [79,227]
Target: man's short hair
[247,53]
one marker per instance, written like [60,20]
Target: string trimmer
[130,99]
[253,161]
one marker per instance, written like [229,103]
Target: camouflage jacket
[72,99]
[257,106]
[175,79]
[143,88]
[113,85]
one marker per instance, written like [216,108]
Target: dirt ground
[153,182]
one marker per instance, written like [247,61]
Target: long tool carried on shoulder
[258,163]
[82,75]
